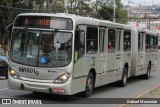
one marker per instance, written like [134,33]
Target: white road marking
[4,89]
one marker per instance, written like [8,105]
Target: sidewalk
[155,93]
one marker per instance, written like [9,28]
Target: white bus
[67,54]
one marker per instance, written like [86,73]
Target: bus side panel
[78,84]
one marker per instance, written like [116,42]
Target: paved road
[134,88]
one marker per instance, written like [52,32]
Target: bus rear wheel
[147,75]
[123,81]
[89,85]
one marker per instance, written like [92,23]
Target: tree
[106,13]
[57,6]
[21,6]
[122,16]
[8,10]
[5,18]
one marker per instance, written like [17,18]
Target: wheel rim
[149,69]
[125,79]
[148,73]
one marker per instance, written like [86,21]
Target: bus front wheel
[89,85]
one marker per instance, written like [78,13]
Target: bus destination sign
[44,22]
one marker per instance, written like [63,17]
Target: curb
[139,96]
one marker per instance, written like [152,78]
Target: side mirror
[9,27]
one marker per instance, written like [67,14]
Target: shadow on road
[53,98]
[113,86]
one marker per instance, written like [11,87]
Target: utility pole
[47,5]
[97,1]
[65,6]
[128,11]
[114,12]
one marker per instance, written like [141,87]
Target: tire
[89,85]
[6,76]
[147,75]
[123,81]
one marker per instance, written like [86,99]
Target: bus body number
[26,70]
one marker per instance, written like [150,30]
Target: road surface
[134,88]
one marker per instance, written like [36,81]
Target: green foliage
[5,16]
[106,12]
[121,16]
[9,9]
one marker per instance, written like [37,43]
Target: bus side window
[92,40]
[111,40]
[79,44]
[127,41]
[156,43]
[147,42]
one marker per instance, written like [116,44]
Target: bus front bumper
[62,89]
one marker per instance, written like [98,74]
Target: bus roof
[76,19]
[89,21]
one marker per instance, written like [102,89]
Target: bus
[67,54]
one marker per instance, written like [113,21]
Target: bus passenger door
[118,60]
[79,51]
[78,82]
[101,57]
[111,56]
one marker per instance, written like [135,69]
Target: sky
[142,2]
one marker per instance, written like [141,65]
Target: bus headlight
[62,79]
[14,74]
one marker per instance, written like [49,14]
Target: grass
[153,93]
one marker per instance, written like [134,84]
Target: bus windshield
[41,48]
